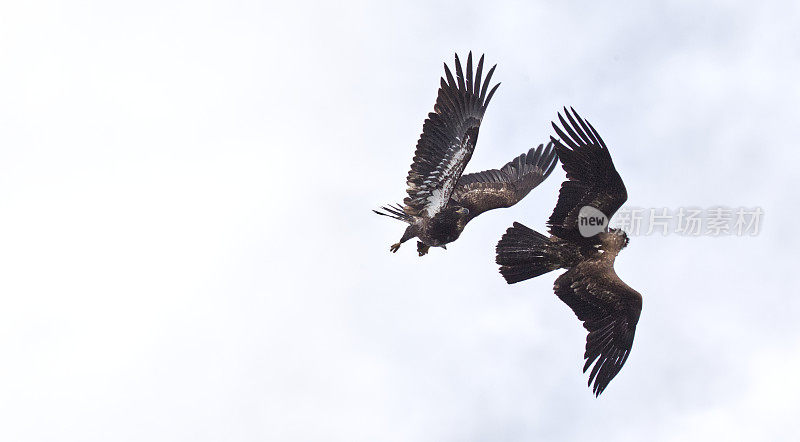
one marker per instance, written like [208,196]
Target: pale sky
[188,252]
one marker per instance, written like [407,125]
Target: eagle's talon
[422,249]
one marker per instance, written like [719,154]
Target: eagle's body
[443,228]
[608,308]
[441,201]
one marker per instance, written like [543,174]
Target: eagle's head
[458,217]
[614,240]
[447,225]
[462,214]
[623,237]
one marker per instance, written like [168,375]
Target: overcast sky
[187,251]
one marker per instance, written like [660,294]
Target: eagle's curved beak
[463,211]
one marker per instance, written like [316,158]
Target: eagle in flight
[441,201]
[608,308]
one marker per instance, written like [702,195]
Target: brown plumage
[494,189]
[440,200]
[608,308]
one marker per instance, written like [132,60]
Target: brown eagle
[608,307]
[440,200]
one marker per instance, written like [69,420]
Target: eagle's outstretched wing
[493,189]
[592,179]
[609,309]
[448,139]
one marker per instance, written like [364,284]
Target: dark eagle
[440,200]
[608,307]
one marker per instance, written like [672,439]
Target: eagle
[441,201]
[608,308]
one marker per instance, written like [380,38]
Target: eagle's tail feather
[524,253]
[395,211]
